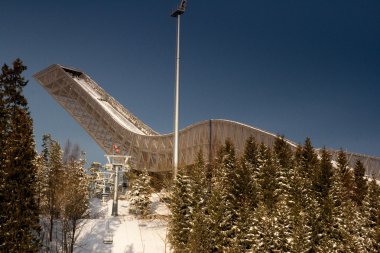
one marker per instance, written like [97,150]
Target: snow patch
[130,235]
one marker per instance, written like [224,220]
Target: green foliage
[360,186]
[140,194]
[267,178]
[275,200]
[181,209]
[63,195]
[323,177]
[345,175]
[19,221]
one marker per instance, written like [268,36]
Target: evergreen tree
[308,160]
[268,172]
[225,196]
[301,233]
[55,175]
[323,178]
[266,231]
[345,175]
[360,183]
[283,161]
[200,184]
[306,170]
[248,172]
[283,153]
[344,232]
[19,221]
[250,156]
[371,211]
[230,190]
[301,213]
[200,238]
[181,214]
[140,194]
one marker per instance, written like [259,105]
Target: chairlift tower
[119,164]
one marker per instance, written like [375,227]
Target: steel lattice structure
[108,123]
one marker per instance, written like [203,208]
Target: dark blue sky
[298,68]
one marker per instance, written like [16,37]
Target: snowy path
[130,235]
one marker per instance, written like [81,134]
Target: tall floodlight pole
[177,14]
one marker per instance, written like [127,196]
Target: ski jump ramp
[108,123]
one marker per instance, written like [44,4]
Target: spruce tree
[283,161]
[19,229]
[283,153]
[55,175]
[360,183]
[140,194]
[200,238]
[371,211]
[250,155]
[268,172]
[345,175]
[230,190]
[323,177]
[309,160]
[200,184]
[345,230]
[181,214]
[249,173]
[306,169]
[223,204]
[264,230]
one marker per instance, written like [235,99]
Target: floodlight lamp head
[180,9]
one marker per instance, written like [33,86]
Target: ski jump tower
[108,123]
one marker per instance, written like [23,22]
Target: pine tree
[360,183]
[216,208]
[301,213]
[200,238]
[246,193]
[55,175]
[371,213]
[331,236]
[264,230]
[283,153]
[308,160]
[268,172]
[140,194]
[344,232]
[249,173]
[230,190]
[323,178]
[181,214]
[307,163]
[345,174]
[200,184]
[223,205]
[250,155]
[19,229]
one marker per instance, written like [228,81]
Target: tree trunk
[51,228]
[73,235]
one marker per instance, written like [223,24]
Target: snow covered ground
[130,234]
